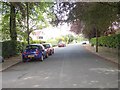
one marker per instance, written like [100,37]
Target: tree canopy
[88,15]
[92,15]
[14,15]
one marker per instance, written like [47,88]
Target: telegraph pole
[96,39]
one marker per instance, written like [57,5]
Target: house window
[41,37]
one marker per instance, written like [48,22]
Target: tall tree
[13,33]
[92,14]
[97,15]
[27,4]
[39,17]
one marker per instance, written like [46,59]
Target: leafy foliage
[107,41]
[92,15]
[13,23]
[99,16]
[9,48]
[37,41]
[76,27]
[4,24]
[39,13]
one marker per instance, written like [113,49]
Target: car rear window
[32,47]
[46,45]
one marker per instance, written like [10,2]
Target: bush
[54,42]
[107,41]
[11,48]
[37,42]
[8,48]
[21,46]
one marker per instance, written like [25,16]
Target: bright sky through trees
[53,32]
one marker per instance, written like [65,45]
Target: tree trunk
[13,33]
[28,23]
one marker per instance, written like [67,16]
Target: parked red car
[61,44]
[49,48]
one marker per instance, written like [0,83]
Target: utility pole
[96,39]
[27,4]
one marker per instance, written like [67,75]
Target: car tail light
[37,52]
[24,52]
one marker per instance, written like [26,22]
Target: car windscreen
[60,43]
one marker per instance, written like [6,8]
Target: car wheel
[50,52]
[42,58]
[23,60]
[47,55]
[53,52]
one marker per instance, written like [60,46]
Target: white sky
[53,32]
[57,31]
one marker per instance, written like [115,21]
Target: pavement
[113,57]
[72,66]
[109,54]
[9,62]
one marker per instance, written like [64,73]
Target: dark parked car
[34,52]
[49,48]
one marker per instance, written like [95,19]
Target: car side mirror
[43,50]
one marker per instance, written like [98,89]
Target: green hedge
[11,48]
[21,46]
[107,41]
[37,42]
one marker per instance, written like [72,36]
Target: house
[38,35]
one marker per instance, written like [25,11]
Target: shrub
[37,41]
[93,41]
[8,48]
[11,48]
[54,42]
[107,41]
[21,46]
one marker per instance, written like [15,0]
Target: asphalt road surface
[70,67]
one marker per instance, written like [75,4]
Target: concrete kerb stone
[3,69]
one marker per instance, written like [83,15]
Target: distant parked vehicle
[49,48]
[61,44]
[85,42]
[34,52]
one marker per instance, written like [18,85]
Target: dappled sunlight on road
[27,78]
[105,70]
[35,77]
[106,73]
[36,86]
